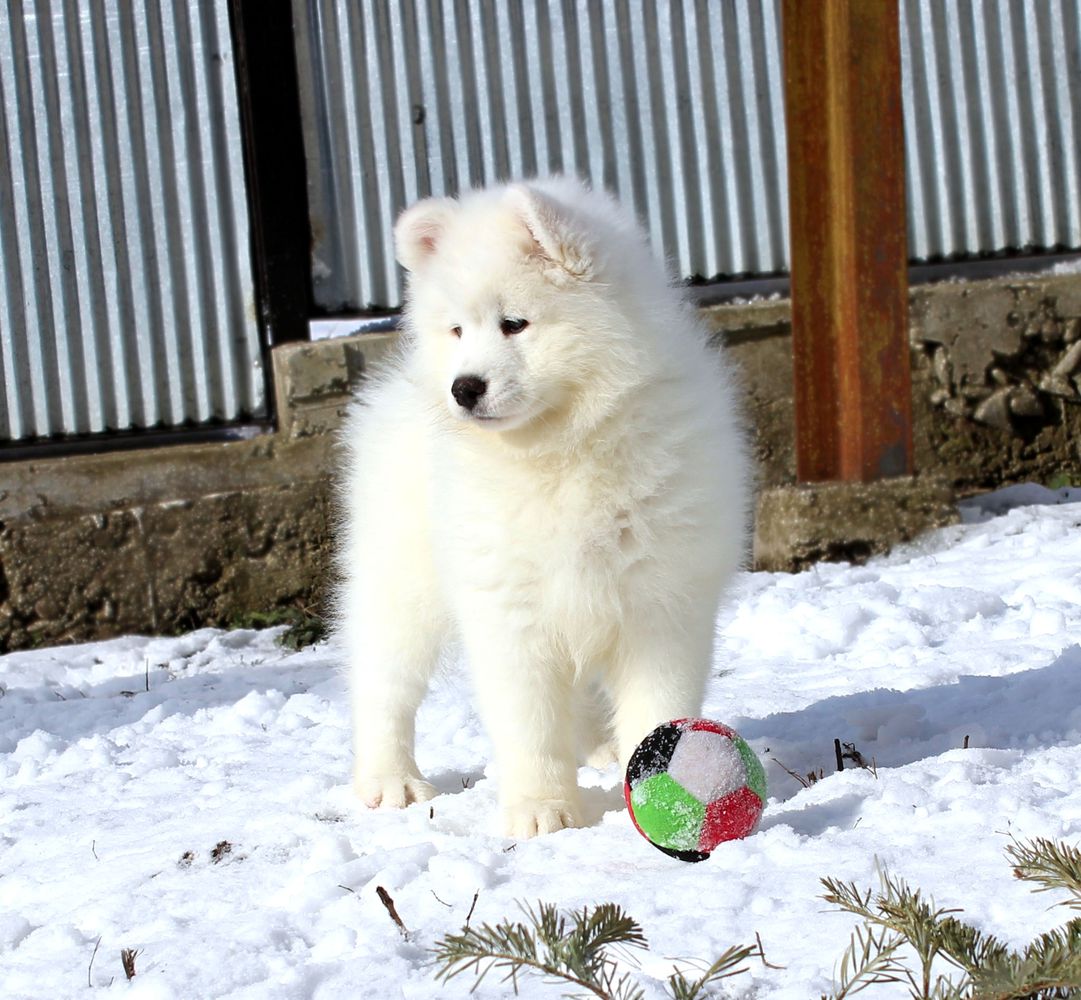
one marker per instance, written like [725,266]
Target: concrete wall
[166,539]
[996,371]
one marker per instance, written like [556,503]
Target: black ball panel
[654,753]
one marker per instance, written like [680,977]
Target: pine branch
[903,917]
[1053,865]
[1049,968]
[575,952]
[577,956]
[920,923]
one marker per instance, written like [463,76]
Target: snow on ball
[692,784]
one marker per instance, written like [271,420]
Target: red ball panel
[730,818]
[630,808]
[706,724]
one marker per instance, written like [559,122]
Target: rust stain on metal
[849,252]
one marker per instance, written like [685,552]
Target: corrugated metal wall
[676,105]
[992,93]
[126,295]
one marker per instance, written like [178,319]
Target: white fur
[574,532]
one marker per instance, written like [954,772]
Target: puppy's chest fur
[564,536]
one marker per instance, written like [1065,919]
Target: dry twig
[384,898]
[90,967]
[127,960]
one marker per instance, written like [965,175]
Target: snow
[189,797]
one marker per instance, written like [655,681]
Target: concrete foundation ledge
[797,526]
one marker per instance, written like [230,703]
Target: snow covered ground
[189,797]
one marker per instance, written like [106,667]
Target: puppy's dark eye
[509,326]
[456,330]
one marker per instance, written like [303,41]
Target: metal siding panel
[181,168]
[63,172]
[157,229]
[992,95]
[1047,23]
[372,128]
[490,121]
[462,97]
[128,277]
[126,298]
[698,125]
[677,136]
[571,89]
[1037,48]
[921,134]
[509,38]
[29,232]
[232,346]
[15,404]
[626,141]
[594,76]
[48,279]
[239,341]
[733,248]
[76,124]
[757,162]
[985,131]
[1007,150]
[431,58]
[48,203]
[1065,31]
[538,64]
[642,51]
[403,41]
[775,141]
[960,76]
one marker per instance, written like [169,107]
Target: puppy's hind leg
[660,675]
[593,726]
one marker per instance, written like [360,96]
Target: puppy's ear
[555,233]
[419,230]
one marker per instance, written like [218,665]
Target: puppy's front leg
[525,701]
[391,659]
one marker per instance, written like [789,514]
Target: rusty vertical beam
[849,248]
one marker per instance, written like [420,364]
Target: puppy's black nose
[467,389]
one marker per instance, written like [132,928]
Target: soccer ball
[693,784]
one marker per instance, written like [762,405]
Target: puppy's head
[505,299]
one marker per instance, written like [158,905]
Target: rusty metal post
[847,212]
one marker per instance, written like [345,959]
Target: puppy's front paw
[392,790]
[529,817]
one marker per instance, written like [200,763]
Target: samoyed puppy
[552,476]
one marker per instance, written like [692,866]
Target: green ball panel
[667,813]
[756,775]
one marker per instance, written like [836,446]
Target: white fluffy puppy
[553,475]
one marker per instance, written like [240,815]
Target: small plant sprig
[575,951]
[898,920]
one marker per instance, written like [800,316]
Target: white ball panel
[707,764]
